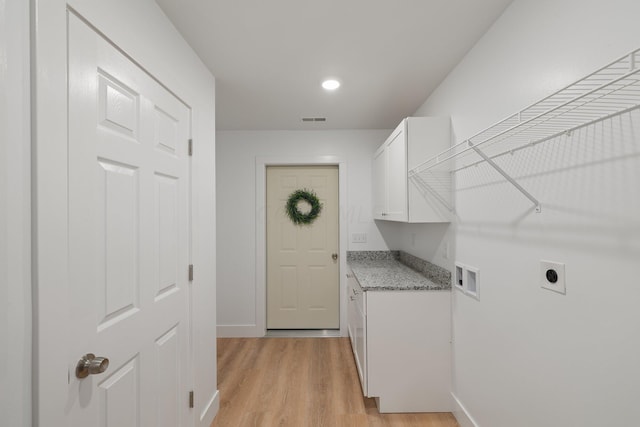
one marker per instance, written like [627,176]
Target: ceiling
[270,57]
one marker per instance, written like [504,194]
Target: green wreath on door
[295,215]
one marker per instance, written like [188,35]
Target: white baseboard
[239,331]
[210,410]
[252,331]
[462,415]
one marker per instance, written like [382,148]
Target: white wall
[15,216]
[524,356]
[236,153]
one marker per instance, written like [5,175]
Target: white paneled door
[128,239]
[303,289]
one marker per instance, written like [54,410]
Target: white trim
[261,240]
[15,215]
[50,260]
[462,415]
[302,333]
[236,331]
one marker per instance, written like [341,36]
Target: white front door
[128,206]
[303,287]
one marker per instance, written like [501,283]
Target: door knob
[91,365]
[334,256]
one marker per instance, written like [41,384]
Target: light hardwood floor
[299,382]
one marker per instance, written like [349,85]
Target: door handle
[334,256]
[91,365]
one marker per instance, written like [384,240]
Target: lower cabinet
[401,341]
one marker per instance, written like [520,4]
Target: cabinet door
[357,328]
[351,313]
[361,342]
[425,197]
[396,159]
[379,179]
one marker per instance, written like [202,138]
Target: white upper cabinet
[399,196]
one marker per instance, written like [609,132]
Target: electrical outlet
[359,237]
[552,276]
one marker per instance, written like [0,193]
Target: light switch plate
[552,276]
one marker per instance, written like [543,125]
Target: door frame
[15,214]
[176,66]
[261,231]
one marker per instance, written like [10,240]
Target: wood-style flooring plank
[299,382]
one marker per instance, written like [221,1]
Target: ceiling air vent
[314,119]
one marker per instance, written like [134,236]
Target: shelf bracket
[506,176]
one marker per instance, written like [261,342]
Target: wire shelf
[609,91]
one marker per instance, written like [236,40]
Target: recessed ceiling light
[331,84]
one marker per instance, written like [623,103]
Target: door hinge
[191,272]
[190,147]
[191,399]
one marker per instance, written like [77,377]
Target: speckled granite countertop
[384,270]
